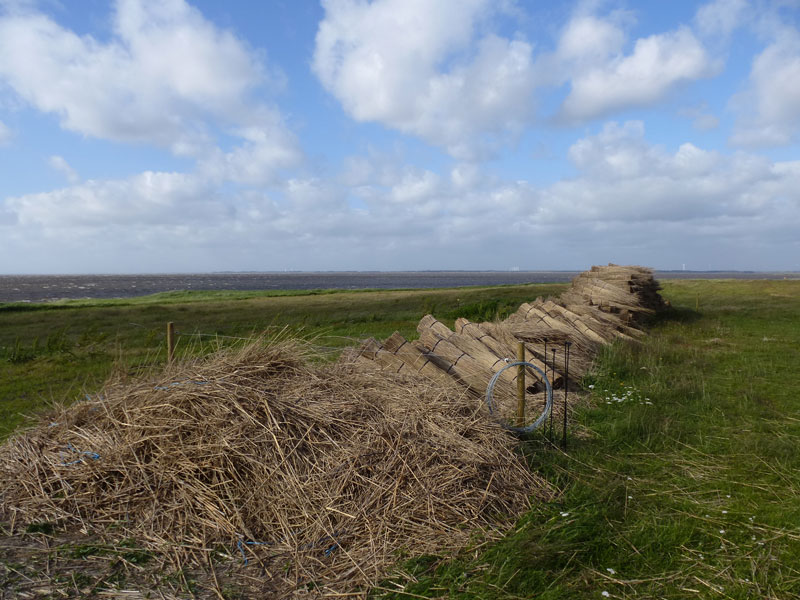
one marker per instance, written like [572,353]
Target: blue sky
[170,136]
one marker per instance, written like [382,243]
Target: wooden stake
[521,385]
[170,342]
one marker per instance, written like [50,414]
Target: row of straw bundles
[561,337]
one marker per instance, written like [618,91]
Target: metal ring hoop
[548,404]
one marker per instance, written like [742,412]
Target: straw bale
[612,272]
[580,361]
[534,354]
[369,348]
[537,338]
[610,320]
[496,358]
[373,350]
[469,370]
[441,362]
[538,319]
[477,350]
[393,356]
[618,288]
[415,358]
[474,330]
[333,471]
[509,353]
[605,292]
[540,326]
[589,327]
[473,374]
[522,312]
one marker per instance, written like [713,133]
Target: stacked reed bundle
[629,291]
[321,475]
[602,305]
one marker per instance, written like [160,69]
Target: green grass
[686,488]
[56,352]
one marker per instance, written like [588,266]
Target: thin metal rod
[566,389]
[521,385]
[550,434]
[553,371]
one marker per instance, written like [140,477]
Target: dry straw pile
[319,475]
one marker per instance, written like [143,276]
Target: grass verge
[682,474]
[58,352]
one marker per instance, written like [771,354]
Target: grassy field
[682,473]
[57,352]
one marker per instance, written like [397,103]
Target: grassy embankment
[682,475]
[56,352]
[684,481]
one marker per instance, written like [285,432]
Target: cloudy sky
[163,136]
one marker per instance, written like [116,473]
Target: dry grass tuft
[334,471]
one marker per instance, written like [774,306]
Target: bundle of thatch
[629,290]
[602,305]
[322,475]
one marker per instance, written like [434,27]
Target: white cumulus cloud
[146,199]
[588,41]
[60,164]
[630,201]
[768,109]
[624,178]
[657,65]
[721,17]
[165,76]
[266,147]
[423,68]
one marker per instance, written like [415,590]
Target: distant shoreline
[49,288]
